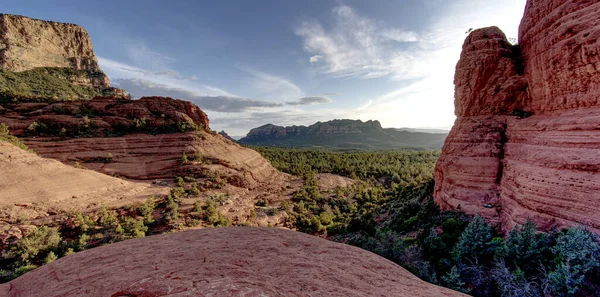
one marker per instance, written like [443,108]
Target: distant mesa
[342,134]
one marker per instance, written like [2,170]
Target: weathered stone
[527,137]
[236,261]
[27,43]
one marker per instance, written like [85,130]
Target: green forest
[391,212]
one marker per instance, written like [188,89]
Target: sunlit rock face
[526,142]
[236,261]
[27,43]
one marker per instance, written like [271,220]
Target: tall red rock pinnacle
[526,142]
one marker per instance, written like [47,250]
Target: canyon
[526,140]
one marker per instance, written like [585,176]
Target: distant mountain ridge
[342,134]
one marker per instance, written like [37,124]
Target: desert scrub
[6,136]
[48,84]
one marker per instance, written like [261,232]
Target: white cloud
[314,59]
[117,71]
[355,45]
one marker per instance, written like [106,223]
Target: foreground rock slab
[237,261]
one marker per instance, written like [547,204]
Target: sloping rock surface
[527,138]
[238,261]
[33,188]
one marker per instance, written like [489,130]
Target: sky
[249,63]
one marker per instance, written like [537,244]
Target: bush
[577,255]
[51,257]
[147,209]
[134,228]
[525,247]
[514,284]
[474,243]
[197,206]
[6,136]
[41,240]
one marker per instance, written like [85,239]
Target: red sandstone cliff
[526,141]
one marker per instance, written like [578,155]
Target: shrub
[6,136]
[197,206]
[184,159]
[577,254]
[453,280]
[514,284]
[23,269]
[134,228]
[84,223]
[525,247]
[147,209]
[172,212]
[39,241]
[474,243]
[51,257]
[82,242]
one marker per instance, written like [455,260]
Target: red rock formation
[238,261]
[526,142]
[106,116]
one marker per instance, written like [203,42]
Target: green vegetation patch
[5,136]
[48,84]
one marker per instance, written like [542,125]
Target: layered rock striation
[103,116]
[526,140]
[237,261]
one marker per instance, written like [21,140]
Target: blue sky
[248,63]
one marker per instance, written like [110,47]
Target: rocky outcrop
[27,43]
[341,134]
[31,48]
[103,116]
[224,134]
[527,139]
[238,261]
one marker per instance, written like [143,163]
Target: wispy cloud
[220,103]
[128,70]
[309,101]
[356,46]
[272,85]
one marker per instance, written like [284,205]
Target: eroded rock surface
[527,137]
[238,261]
[27,43]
